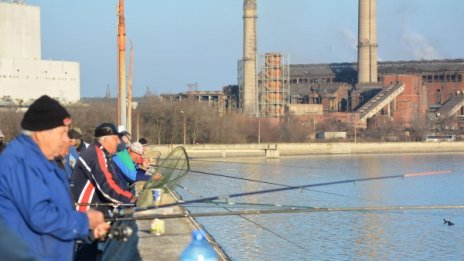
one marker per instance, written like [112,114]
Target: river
[347,235]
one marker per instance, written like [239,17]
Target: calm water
[352,235]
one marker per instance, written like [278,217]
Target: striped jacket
[95,179]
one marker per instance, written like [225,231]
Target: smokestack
[249,58]
[367,42]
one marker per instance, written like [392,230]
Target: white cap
[1,134]
[137,147]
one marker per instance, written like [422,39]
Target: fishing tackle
[120,233]
[224,197]
[284,211]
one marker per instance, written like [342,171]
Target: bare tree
[10,121]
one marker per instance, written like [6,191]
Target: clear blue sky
[177,42]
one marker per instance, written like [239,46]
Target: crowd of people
[56,189]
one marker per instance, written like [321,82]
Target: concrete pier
[275,150]
[178,234]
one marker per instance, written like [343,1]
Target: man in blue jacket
[35,201]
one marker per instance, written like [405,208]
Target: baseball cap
[106,129]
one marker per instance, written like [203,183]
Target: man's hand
[97,224]
[95,218]
[157,176]
[101,231]
[145,163]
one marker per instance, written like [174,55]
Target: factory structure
[403,94]
[24,76]
[362,94]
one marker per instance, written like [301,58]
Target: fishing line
[251,163]
[251,221]
[234,203]
[290,211]
[257,192]
[283,185]
[279,184]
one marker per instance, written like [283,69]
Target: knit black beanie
[45,113]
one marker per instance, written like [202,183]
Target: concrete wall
[291,149]
[19,31]
[29,79]
[305,109]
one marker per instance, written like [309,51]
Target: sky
[182,42]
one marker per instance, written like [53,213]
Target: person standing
[94,177]
[96,181]
[75,134]
[2,144]
[35,200]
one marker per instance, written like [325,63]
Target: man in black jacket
[2,145]
[94,177]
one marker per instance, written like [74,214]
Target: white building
[24,76]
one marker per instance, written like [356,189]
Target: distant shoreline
[301,149]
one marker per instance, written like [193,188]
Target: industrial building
[428,87]
[24,76]
[273,85]
[359,94]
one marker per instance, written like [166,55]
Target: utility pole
[259,128]
[129,91]
[122,95]
[184,127]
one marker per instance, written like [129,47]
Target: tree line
[164,122]
[167,122]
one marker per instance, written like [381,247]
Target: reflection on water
[355,235]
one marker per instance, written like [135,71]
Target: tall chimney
[249,58]
[367,42]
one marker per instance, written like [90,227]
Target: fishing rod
[218,203]
[277,184]
[115,205]
[249,163]
[247,219]
[126,212]
[286,211]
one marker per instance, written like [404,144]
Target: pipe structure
[250,97]
[129,90]
[122,95]
[367,42]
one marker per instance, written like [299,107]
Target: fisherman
[136,151]
[144,143]
[144,161]
[75,134]
[36,203]
[125,140]
[2,145]
[94,177]
[150,156]
[96,181]
[67,158]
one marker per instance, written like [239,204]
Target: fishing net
[173,168]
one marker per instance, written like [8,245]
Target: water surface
[350,235]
